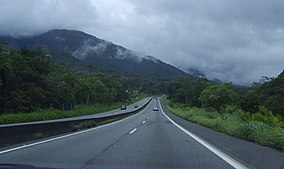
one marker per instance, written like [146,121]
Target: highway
[145,140]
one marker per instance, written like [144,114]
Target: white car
[155,109]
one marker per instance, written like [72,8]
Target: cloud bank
[236,41]
[33,16]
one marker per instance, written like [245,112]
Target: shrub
[266,116]
[229,109]
[83,125]
[278,138]
[38,135]
[255,131]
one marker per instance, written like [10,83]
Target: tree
[186,90]
[269,94]
[83,90]
[29,81]
[22,79]
[217,96]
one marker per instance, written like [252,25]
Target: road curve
[145,140]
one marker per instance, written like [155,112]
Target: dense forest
[269,94]
[29,80]
[203,93]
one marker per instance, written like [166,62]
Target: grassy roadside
[51,114]
[233,121]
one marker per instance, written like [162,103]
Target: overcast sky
[232,40]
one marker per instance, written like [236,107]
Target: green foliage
[270,94]
[38,135]
[217,96]
[264,115]
[262,133]
[252,129]
[186,90]
[262,127]
[235,110]
[23,83]
[29,81]
[83,125]
[50,113]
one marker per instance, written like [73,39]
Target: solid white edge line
[68,135]
[132,131]
[213,149]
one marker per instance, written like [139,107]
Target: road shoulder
[248,153]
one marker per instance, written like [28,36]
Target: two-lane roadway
[145,140]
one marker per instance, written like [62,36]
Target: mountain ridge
[101,54]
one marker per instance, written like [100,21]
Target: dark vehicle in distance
[123,107]
[136,106]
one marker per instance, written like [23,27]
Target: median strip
[13,134]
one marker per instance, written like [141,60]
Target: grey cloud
[88,47]
[33,16]
[235,41]
[125,54]
[231,40]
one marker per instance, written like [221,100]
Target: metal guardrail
[13,134]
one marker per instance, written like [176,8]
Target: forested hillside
[269,94]
[79,50]
[28,81]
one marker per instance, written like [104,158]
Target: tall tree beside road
[186,90]
[217,96]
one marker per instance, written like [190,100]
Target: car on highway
[123,107]
[136,106]
[155,109]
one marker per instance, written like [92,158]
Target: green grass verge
[235,122]
[51,114]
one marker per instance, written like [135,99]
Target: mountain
[77,48]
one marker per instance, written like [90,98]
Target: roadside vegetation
[33,88]
[51,113]
[242,113]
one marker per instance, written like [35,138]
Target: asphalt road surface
[145,140]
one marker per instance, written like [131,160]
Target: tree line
[268,96]
[29,80]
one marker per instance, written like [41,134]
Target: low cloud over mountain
[235,41]
[77,48]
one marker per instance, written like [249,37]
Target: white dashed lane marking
[132,131]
